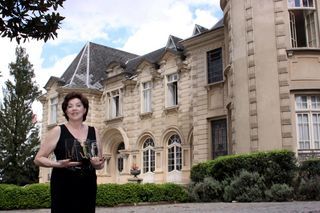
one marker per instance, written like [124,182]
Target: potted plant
[135,171]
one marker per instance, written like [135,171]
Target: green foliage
[309,168]
[22,19]
[275,166]
[207,191]
[279,192]
[19,137]
[173,192]
[114,194]
[307,182]
[247,187]
[38,195]
[308,189]
[27,197]
[200,171]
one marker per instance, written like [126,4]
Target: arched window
[174,153]
[119,157]
[148,156]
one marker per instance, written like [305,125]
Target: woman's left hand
[97,162]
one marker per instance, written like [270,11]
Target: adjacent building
[250,83]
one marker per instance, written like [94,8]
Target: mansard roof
[198,30]
[173,45]
[53,80]
[88,69]
[219,24]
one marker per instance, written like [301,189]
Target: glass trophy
[77,150]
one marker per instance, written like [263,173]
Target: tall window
[146,99]
[214,63]
[174,153]
[148,156]
[53,110]
[172,85]
[303,23]
[120,163]
[308,121]
[219,138]
[114,104]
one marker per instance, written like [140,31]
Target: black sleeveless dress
[73,189]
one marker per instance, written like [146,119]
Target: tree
[24,19]
[19,135]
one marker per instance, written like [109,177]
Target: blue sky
[139,27]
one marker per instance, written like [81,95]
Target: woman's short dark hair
[73,95]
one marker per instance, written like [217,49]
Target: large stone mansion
[250,83]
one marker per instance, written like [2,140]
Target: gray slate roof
[173,45]
[198,30]
[219,24]
[88,69]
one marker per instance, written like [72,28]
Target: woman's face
[75,109]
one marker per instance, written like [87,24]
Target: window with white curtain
[53,110]
[148,156]
[172,90]
[308,121]
[303,23]
[174,153]
[114,104]
[146,97]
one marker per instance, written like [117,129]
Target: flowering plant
[135,171]
[134,167]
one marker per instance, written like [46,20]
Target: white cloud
[151,23]
[87,21]
[177,19]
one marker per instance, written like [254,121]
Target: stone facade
[253,107]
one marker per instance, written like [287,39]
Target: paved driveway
[272,207]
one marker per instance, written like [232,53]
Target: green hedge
[309,168]
[275,166]
[307,183]
[38,195]
[24,197]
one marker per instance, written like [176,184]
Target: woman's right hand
[67,163]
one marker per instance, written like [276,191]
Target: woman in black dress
[77,149]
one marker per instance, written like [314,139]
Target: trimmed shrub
[207,191]
[38,195]
[307,182]
[275,166]
[114,194]
[308,189]
[174,192]
[247,187]
[200,171]
[24,197]
[107,195]
[309,168]
[279,192]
